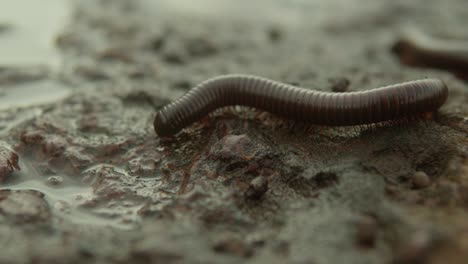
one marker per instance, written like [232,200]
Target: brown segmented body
[322,108]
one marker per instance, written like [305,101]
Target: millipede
[377,105]
[415,48]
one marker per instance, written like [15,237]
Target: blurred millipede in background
[417,49]
[382,104]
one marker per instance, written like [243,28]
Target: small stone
[234,146]
[54,180]
[62,206]
[366,231]
[257,188]
[420,180]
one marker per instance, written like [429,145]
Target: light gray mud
[97,185]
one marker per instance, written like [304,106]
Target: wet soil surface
[84,178]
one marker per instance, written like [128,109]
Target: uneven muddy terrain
[85,179]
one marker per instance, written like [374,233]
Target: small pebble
[233,147]
[257,188]
[420,180]
[54,180]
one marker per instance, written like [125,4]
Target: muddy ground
[84,179]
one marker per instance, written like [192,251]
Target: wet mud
[84,177]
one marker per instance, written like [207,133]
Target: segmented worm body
[417,49]
[322,108]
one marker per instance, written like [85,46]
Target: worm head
[162,127]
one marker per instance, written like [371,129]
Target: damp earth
[85,179]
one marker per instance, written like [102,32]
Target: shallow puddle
[29,30]
[68,199]
[32,93]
